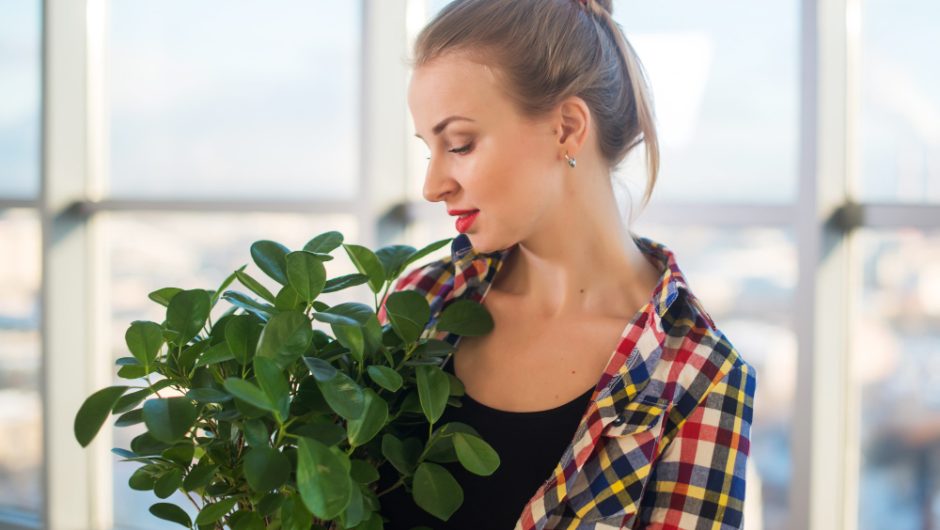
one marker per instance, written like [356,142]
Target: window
[799,190]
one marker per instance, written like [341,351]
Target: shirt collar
[475,271]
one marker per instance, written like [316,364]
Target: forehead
[453,84]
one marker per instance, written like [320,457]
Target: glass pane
[20,63]
[897,365]
[726,96]
[150,251]
[20,402]
[899,118]
[208,102]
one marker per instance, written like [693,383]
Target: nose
[438,184]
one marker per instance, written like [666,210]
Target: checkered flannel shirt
[665,437]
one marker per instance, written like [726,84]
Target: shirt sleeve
[698,481]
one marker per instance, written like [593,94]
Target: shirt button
[619,420]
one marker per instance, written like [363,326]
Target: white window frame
[77,492]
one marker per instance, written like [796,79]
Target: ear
[574,120]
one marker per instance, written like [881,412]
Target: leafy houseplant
[264,422]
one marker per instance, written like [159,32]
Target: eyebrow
[440,126]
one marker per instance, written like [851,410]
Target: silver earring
[571,161]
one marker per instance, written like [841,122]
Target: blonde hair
[544,51]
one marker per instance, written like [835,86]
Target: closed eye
[457,150]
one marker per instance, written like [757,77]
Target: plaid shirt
[665,437]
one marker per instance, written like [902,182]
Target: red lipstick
[466,220]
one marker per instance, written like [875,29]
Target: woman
[610,395]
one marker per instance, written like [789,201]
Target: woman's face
[483,155]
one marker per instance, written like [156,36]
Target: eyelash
[457,150]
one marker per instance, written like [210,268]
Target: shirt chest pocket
[610,484]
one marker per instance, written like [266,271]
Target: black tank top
[529,444]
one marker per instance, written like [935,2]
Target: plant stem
[401,480]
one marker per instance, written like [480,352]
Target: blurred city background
[205,126]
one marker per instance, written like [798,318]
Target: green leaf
[124,453]
[94,411]
[294,514]
[242,300]
[146,444]
[187,313]
[274,385]
[345,281]
[208,395]
[351,338]
[270,257]
[323,430]
[215,511]
[249,393]
[131,371]
[127,361]
[131,417]
[225,283]
[164,295]
[244,520]
[182,454]
[409,313]
[373,419]
[241,334]
[354,513]
[168,419]
[172,513]
[187,359]
[266,468]
[142,478]
[325,243]
[436,491]
[357,312]
[385,377]
[343,395]
[269,504]
[466,317]
[367,263]
[441,448]
[285,337]
[200,475]
[306,274]
[168,483]
[363,472]
[321,370]
[288,299]
[403,455]
[254,286]
[131,400]
[393,259]
[323,478]
[427,250]
[433,390]
[332,318]
[475,455]
[217,353]
[144,339]
[256,433]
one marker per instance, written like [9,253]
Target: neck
[581,260]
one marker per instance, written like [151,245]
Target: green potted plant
[265,422]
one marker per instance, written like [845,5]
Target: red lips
[459,212]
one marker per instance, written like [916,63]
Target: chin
[482,245]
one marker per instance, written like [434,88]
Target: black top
[529,444]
